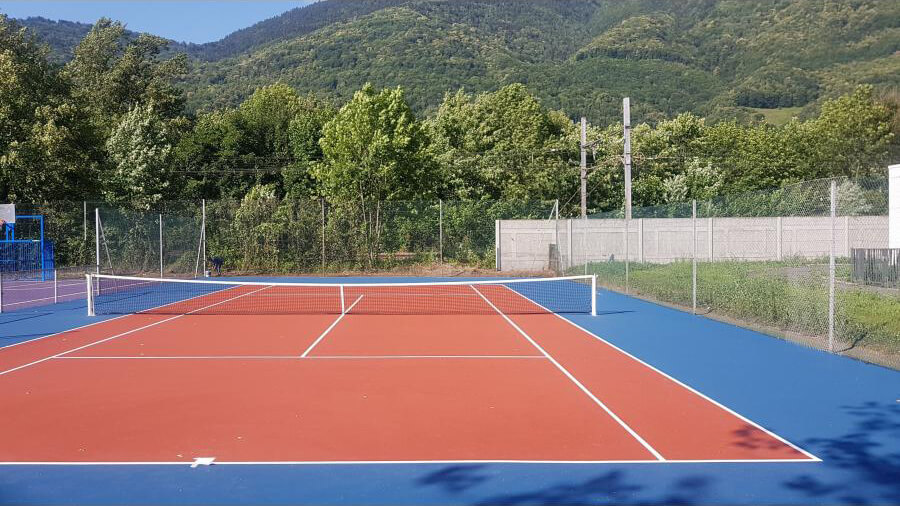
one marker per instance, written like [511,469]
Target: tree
[852,135]
[375,151]
[47,150]
[140,151]
[504,146]
[112,75]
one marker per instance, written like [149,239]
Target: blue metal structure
[36,255]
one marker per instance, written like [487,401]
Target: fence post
[779,244]
[694,257]
[847,236]
[322,202]
[497,244]
[709,236]
[626,254]
[831,268]
[203,233]
[441,232]
[568,243]
[640,223]
[160,245]
[97,237]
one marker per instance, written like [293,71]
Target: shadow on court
[859,467]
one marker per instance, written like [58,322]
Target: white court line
[42,299]
[400,462]
[292,357]
[673,379]
[335,322]
[128,332]
[583,388]
[47,286]
[377,357]
[104,321]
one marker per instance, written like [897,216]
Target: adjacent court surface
[459,377]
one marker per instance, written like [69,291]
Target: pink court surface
[496,385]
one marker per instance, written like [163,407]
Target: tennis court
[386,391]
[197,371]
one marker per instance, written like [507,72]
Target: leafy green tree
[112,75]
[47,150]
[140,152]
[504,145]
[375,151]
[852,135]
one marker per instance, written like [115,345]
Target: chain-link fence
[808,262]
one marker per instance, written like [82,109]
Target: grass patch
[778,116]
[791,296]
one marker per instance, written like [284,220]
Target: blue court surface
[843,411]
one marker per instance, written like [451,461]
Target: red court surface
[241,388]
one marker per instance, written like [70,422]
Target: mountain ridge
[712,57]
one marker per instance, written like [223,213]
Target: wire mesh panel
[867,307]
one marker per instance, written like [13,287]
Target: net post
[55,287]
[593,295]
[90,294]
[1,291]
[343,310]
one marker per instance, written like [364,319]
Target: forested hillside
[715,58]
[720,59]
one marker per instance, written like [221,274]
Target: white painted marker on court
[202,461]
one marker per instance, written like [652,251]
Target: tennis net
[125,295]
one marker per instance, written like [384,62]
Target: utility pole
[583,167]
[626,109]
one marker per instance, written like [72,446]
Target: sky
[183,21]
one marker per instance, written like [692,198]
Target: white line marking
[688,387]
[389,462]
[104,321]
[202,461]
[335,322]
[583,388]
[127,332]
[276,357]
[377,357]
[40,300]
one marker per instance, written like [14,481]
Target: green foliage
[47,149]
[375,151]
[140,152]
[503,145]
[112,75]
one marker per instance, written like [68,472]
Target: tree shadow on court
[869,455]
[456,479]
[612,487]
[861,466]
